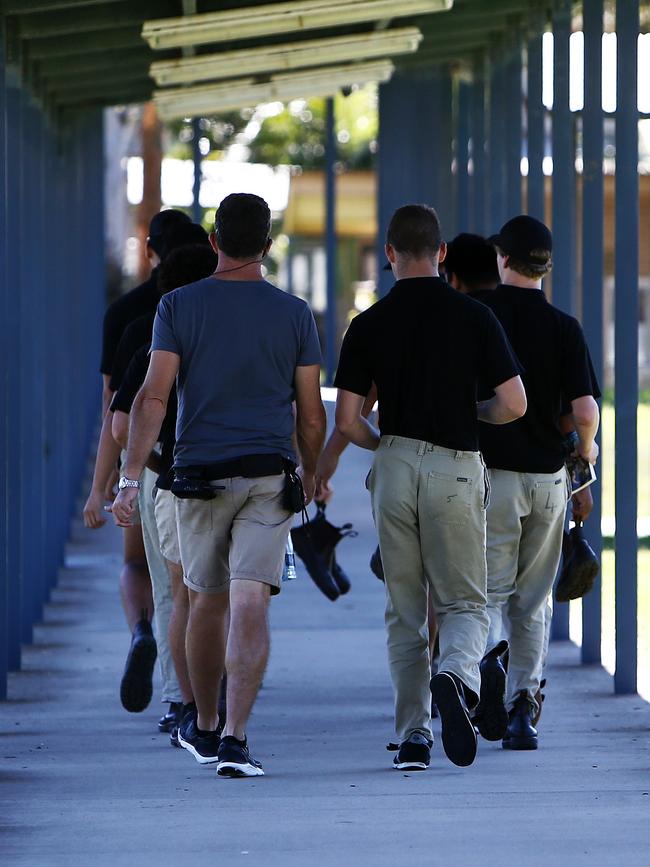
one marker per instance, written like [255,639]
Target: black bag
[314,543]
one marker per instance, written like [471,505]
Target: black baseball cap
[527,240]
[160,222]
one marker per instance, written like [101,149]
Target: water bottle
[289,572]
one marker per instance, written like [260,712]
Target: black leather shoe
[579,568]
[491,717]
[376,565]
[521,734]
[136,687]
[339,576]
[458,735]
[173,716]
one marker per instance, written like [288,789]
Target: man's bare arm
[334,448]
[586,418]
[149,409]
[107,394]
[311,423]
[108,452]
[351,424]
[120,430]
[508,404]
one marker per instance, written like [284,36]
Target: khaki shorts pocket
[450,497]
[195,516]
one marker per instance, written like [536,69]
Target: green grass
[606,464]
[606,470]
[609,612]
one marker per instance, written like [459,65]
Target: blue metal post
[478,219]
[592,282]
[13,205]
[535,123]
[414,156]
[563,206]
[197,211]
[4,405]
[512,150]
[626,343]
[497,143]
[331,353]
[462,106]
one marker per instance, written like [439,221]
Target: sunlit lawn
[606,464]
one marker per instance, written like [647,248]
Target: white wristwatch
[127,483]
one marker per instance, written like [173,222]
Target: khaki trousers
[429,508]
[161,586]
[525,520]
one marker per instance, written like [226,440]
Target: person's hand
[325,469]
[591,454]
[123,507]
[581,505]
[93,513]
[308,484]
[109,490]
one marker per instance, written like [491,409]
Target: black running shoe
[491,717]
[458,735]
[414,753]
[235,759]
[203,745]
[172,718]
[136,687]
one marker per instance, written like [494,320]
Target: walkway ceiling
[75,53]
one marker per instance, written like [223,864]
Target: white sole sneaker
[232,769]
[202,760]
[410,766]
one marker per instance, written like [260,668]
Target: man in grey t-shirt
[243,352]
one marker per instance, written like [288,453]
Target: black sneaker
[414,753]
[187,712]
[491,717]
[172,718]
[235,759]
[202,745]
[458,734]
[136,687]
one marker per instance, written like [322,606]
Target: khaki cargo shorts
[242,533]
[165,512]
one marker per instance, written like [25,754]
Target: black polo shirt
[551,346]
[426,347]
[143,299]
[135,335]
[123,401]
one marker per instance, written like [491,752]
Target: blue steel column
[331,354]
[4,405]
[461,134]
[626,343]
[512,150]
[478,219]
[535,124]
[592,283]
[13,206]
[497,142]
[563,207]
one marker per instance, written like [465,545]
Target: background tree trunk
[151,128]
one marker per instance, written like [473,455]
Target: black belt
[248,466]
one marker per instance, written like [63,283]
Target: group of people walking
[478,381]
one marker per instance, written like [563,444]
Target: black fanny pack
[196,482]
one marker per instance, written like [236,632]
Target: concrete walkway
[84,784]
